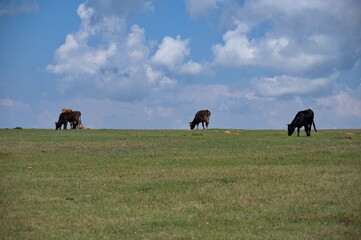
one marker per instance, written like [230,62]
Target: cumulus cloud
[105,59]
[11,7]
[281,53]
[237,50]
[77,55]
[102,58]
[292,37]
[172,53]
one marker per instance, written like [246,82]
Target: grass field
[179,184]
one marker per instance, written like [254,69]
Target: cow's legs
[307,130]
[203,125]
[298,131]
[207,124]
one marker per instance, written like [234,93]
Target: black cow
[302,118]
[201,116]
[74,117]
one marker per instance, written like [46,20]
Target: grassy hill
[179,184]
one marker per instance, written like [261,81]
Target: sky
[141,64]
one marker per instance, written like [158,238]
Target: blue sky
[141,64]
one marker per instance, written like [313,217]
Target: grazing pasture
[179,184]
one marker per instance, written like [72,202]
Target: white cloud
[294,37]
[296,8]
[153,75]
[11,7]
[279,53]
[158,111]
[85,13]
[102,58]
[214,96]
[289,85]
[346,103]
[124,8]
[136,44]
[230,107]
[113,63]
[76,56]
[199,8]
[167,82]
[105,60]
[277,45]
[158,79]
[172,53]
[237,49]
[191,68]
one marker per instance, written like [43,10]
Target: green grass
[169,184]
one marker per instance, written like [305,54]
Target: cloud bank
[273,59]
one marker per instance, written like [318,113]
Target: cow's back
[307,115]
[69,116]
[203,115]
[302,117]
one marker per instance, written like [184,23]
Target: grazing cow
[302,118]
[201,116]
[74,117]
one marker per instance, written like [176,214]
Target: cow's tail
[314,127]
[80,123]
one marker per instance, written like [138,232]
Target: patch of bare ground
[237,132]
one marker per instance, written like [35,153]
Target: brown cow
[74,117]
[201,116]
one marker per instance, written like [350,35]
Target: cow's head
[291,129]
[57,125]
[192,125]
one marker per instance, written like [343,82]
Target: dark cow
[74,117]
[302,119]
[201,116]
